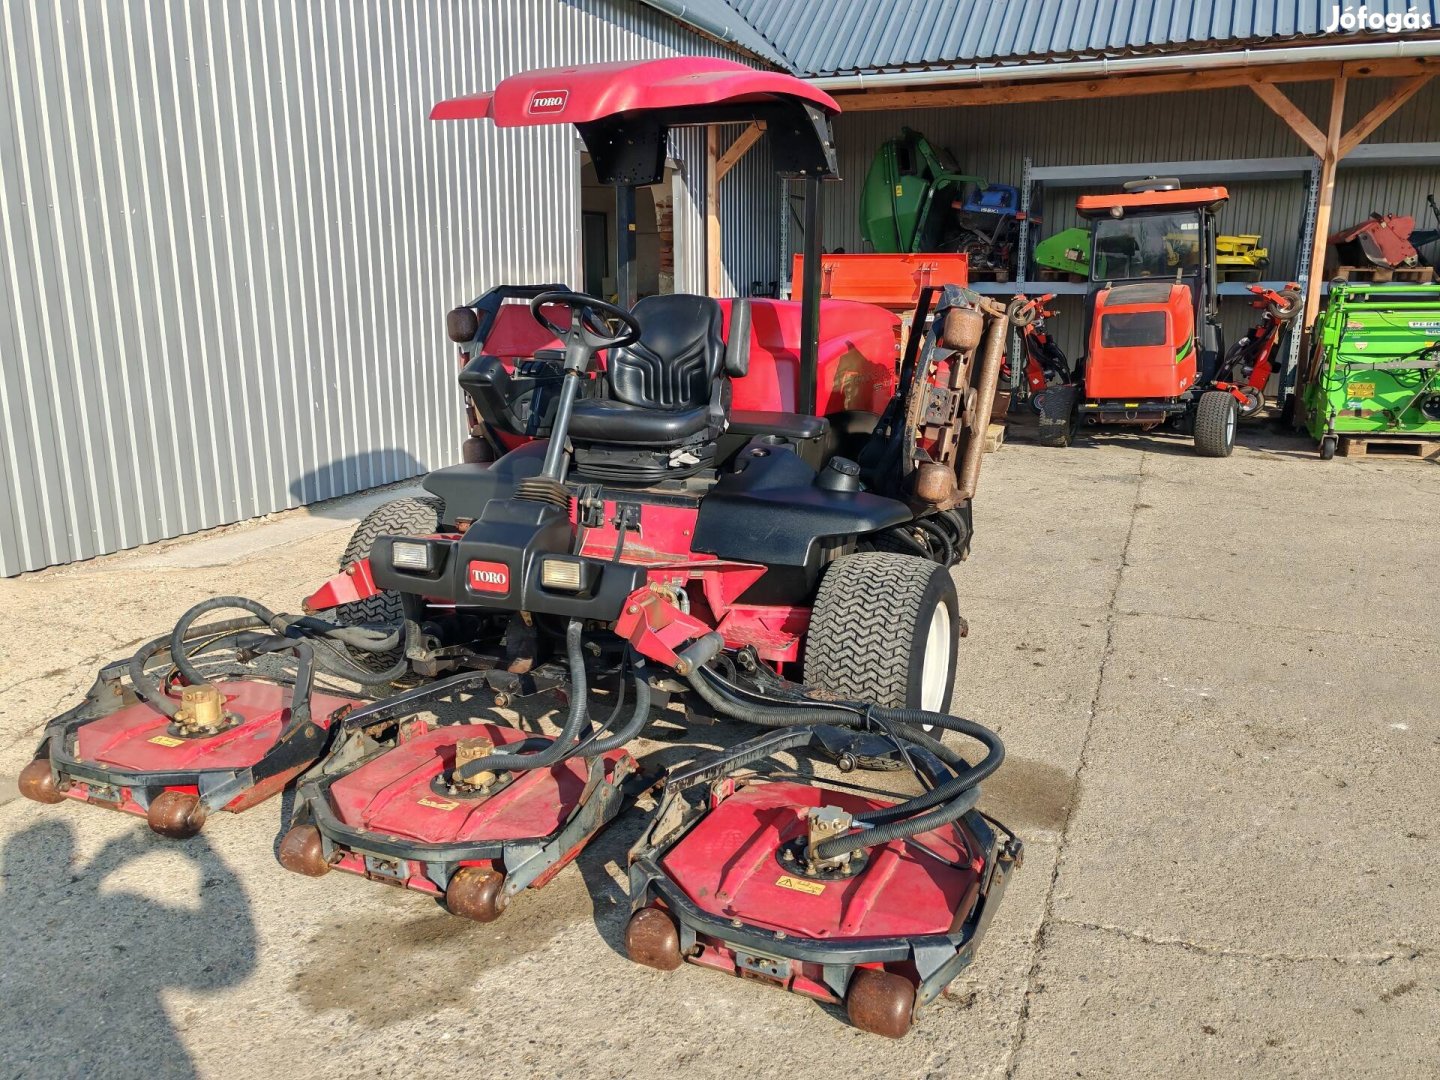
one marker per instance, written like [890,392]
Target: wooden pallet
[1049,273]
[985,273]
[994,436]
[1410,275]
[1417,447]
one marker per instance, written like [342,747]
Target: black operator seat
[669,387]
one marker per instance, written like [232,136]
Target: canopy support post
[808,401]
[625,245]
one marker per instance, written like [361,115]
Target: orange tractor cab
[1153,351]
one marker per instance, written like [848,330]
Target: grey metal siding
[230,236]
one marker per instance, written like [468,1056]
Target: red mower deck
[719,879]
[392,815]
[123,754]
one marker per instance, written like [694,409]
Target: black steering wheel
[592,321]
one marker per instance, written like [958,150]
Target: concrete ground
[1217,681]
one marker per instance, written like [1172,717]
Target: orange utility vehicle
[1154,352]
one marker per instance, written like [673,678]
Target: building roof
[836,37]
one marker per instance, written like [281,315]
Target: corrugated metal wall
[230,237]
[1233,123]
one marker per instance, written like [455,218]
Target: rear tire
[1215,420]
[1057,415]
[884,629]
[416,516]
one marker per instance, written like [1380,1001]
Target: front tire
[416,516]
[884,629]
[1056,405]
[1327,447]
[1216,417]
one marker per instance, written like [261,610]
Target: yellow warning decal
[814,888]
[167,740]
[439,804]
[1360,390]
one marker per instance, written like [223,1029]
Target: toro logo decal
[489,577]
[548,101]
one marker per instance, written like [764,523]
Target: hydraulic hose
[575,722]
[331,659]
[943,804]
[778,712]
[593,746]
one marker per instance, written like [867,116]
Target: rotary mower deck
[749,506]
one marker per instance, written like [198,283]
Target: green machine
[1374,365]
[906,202]
[1067,251]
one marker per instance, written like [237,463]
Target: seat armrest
[737,345]
[785,425]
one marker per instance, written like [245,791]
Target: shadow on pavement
[86,961]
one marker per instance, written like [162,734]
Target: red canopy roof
[577,95]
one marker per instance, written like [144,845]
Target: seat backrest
[679,356]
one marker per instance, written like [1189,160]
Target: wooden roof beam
[1126,85]
[1382,112]
[1294,118]
[738,149]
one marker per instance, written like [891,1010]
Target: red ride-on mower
[634,512]
[1154,354]
[1249,363]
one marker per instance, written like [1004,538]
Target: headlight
[561,574]
[411,555]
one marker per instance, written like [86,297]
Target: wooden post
[714,266]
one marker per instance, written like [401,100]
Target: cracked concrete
[1216,682]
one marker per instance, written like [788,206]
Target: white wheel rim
[1230,425]
[935,665]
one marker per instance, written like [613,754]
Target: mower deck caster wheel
[1327,447]
[880,1002]
[302,851]
[653,939]
[176,814]
[477,892]
[38,782]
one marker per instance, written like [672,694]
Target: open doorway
[654,235]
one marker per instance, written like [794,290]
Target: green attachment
[905,205]
[1375,362]
[1067,251]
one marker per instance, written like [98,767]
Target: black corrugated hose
[943,804]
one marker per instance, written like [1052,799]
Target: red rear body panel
[1142,343]
[857,367]
[728,866]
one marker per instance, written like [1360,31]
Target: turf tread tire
[1213,417]
[871,610]
[417,515]
[1057,416]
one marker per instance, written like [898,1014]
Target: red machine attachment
[824,888]
[470,813]
[1380,240]
[1250,362]
[176,749]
